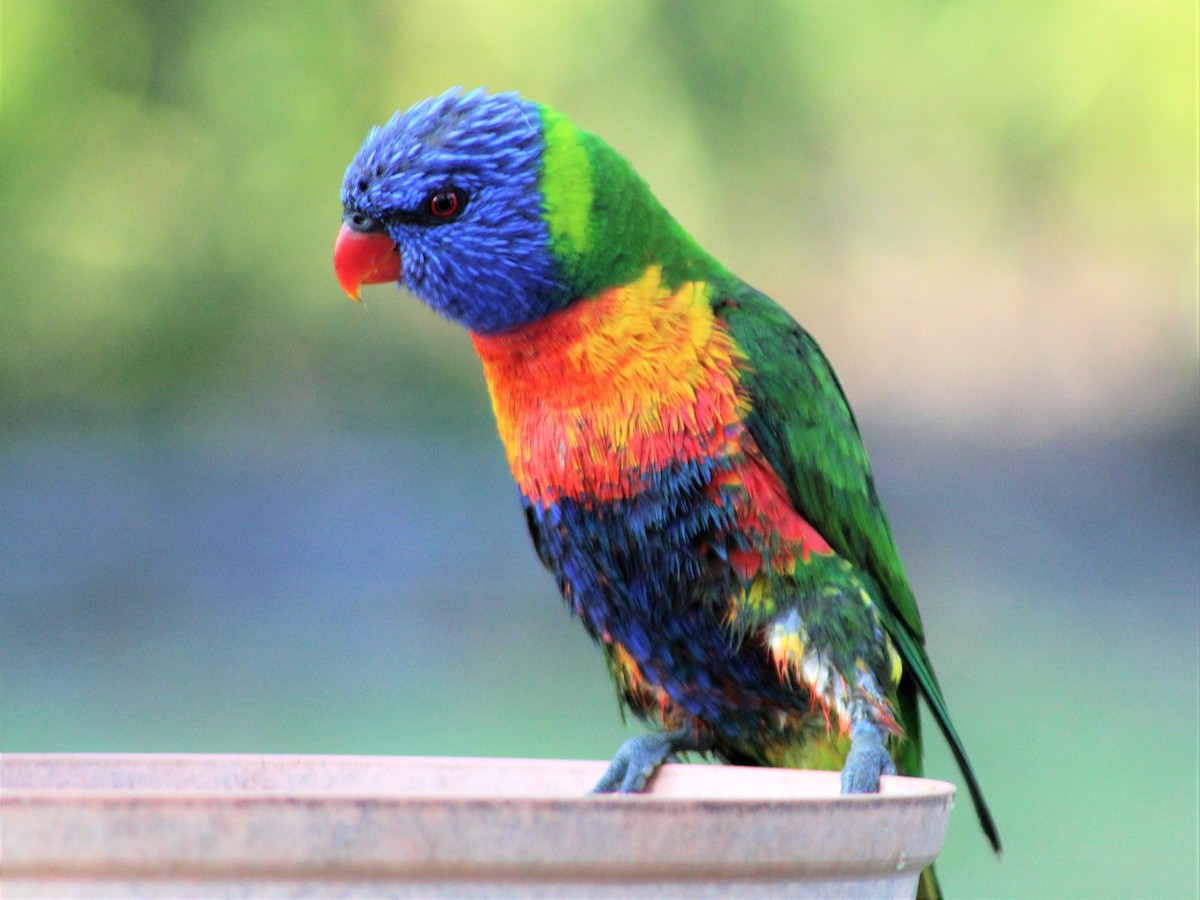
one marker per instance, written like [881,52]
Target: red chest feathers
[632,380]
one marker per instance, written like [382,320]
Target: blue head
[453,186]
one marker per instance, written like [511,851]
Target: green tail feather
[928,887]
[916,662]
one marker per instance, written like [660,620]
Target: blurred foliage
[239,513]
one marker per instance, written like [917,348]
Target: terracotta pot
[166,825]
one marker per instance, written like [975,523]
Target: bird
[690,470]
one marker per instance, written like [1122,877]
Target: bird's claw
[639,758]
[867,760]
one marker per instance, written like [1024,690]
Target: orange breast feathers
[590,399]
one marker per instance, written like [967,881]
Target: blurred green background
[240,513]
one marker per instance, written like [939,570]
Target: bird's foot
[639,758]
[867,760]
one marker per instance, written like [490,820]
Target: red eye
[444,204]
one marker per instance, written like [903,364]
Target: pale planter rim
[440,826]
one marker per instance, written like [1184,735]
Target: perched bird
[689,467]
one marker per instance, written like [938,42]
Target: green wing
[805,429]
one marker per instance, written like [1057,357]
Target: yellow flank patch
[897,662]
[759,597]
[819,751]
[788,642]
[591,398]
[567,189]
[797,660]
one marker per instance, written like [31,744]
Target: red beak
[364,257]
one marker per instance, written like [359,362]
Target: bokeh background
[240,513]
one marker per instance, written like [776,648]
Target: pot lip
[203,816]
[415,779]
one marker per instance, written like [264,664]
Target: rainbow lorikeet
[689,467]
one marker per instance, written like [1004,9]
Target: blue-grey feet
[639,758]
[867,760]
